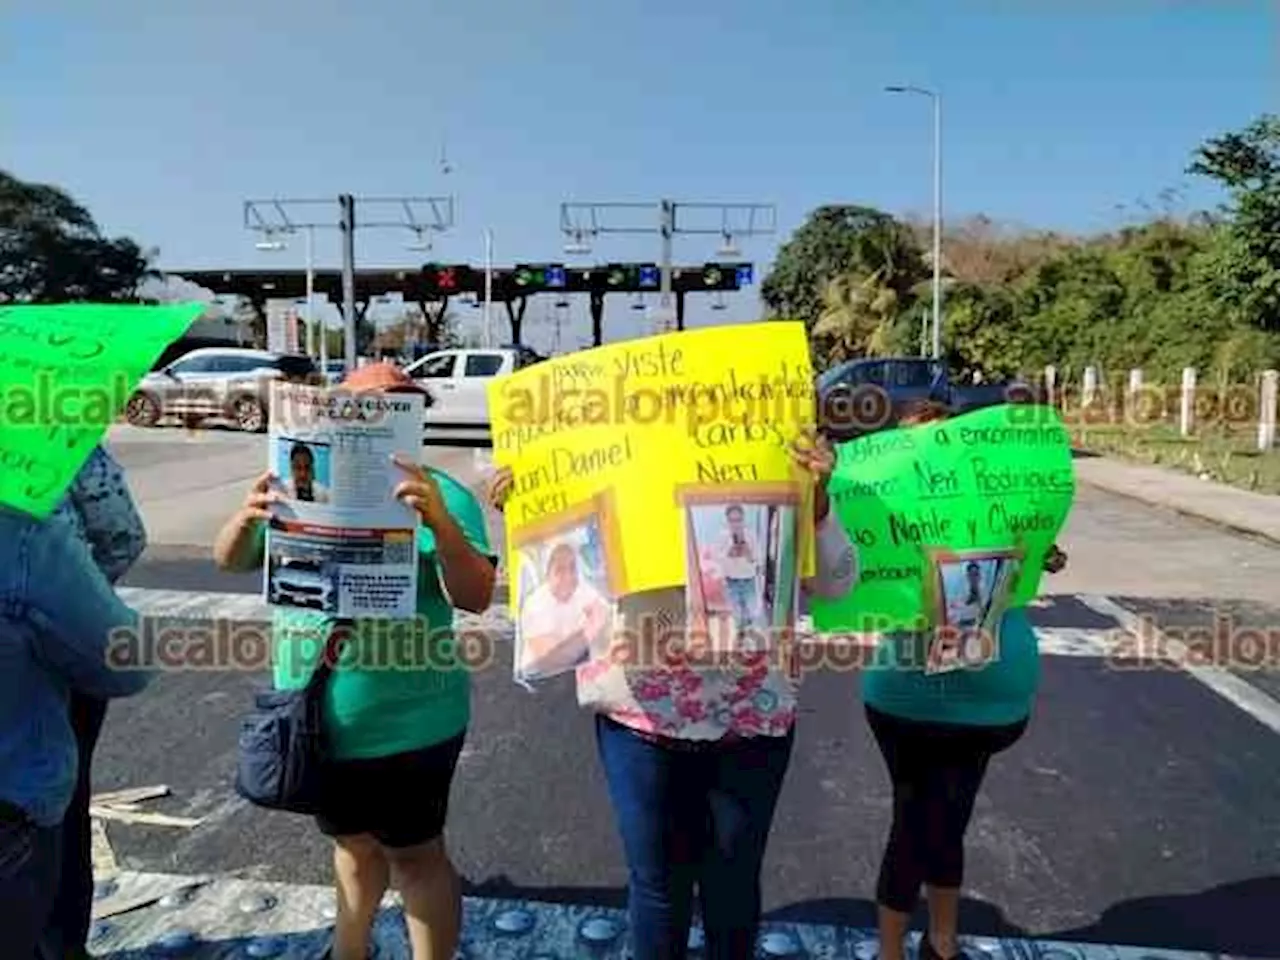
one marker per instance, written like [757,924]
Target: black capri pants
[936,769]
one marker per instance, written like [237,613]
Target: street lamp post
[488,288]
[580,221]
[314,334]
[272,217]
[937,208]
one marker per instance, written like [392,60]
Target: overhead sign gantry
[434,284]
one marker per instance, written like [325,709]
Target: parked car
[860,396]
[223,382]
[458,381]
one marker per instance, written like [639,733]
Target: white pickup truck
[458,381]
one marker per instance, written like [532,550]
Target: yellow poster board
[636,447]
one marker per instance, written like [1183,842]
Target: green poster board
[66,373]
[951,520]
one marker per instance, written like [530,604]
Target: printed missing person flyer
[341,543]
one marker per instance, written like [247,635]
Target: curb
[1181,509]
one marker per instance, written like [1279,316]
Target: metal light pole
[937,209]
[580,221]
[321,333]
[488,288]
[347,224]
[667,227]
[272,218]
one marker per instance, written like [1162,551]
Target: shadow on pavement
[1235,918]
[977,917]
[501,887]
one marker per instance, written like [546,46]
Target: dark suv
[861,396]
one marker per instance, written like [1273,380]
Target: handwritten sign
[622,449]
[66,373]
[952,519]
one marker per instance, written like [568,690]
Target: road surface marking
[1239,692]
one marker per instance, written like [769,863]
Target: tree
[858,315]
[1246,270]
[51,250]
[836,240]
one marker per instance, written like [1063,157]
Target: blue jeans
[68,928]
[693,818]
[742,594]
[30,861]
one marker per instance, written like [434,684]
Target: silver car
[226,383]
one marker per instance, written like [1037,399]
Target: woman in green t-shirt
[938,732]
[395,730]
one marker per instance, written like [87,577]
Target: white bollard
[1135,381]
[1051,385]
[1188,401]
[1133,401]
[1267,411]
[1090,386]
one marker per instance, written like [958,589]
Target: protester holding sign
[60,615]
[395,729]
[103,514]
[695,755]
[66,373]
[938,718]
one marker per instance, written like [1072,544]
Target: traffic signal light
[443,280]
[617,275]
[530,278]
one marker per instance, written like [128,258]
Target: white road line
[1241,693]
[249,607]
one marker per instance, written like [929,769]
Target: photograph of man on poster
[967,610]
[973,591]
[564,616]
[304,472]
[742,562]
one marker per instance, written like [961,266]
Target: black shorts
[401,800]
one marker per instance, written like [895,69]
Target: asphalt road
[1139,809]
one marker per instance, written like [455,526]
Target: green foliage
[1246,263]
[833,242]
[1164,295]
[51,250]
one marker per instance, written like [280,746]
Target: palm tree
[858,314]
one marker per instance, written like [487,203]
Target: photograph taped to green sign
[66,373]
[925,505]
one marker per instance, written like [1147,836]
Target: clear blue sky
[163,117]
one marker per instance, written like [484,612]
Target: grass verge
[1223,454]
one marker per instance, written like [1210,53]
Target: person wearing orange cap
[395,731]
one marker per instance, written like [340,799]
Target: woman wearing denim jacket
[103,514]
[58,616]
[695,756]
